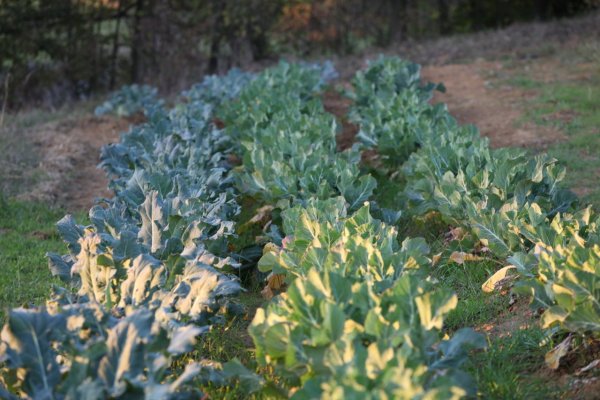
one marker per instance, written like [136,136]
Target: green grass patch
[27,232]
[524,82]
[508,368]
[572,106]
[474,306]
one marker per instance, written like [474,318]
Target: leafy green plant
[451,169]
[361,317]
[288,142]
[358,318]
[564,281]
[323,235]
[336,335]
[77,351]
[142,272]
[215,89]
[391,106]
[129,100]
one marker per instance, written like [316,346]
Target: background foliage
[52,51]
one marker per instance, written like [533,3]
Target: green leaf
[124,359]
[249,381]
[434,306]
[28,336]
[60,266]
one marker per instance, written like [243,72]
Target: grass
[508,368]
[474,306]
[524,82]
[581,151]
[572,105]
[27,232]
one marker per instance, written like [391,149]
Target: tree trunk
[476,14]
[136,45]
[443,17]
[215,37]
[115,49]
[541,9]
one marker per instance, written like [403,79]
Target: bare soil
[495,111]
[69,152]
[518,316]
[580,385]
[338,105]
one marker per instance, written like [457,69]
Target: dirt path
[70,151]
[338,105]
[495,111]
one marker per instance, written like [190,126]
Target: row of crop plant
[504,200]
[141,280]
[360,317]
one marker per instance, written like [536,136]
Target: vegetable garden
[241,180]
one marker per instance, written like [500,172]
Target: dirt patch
[517,317]
[578,372]
[562,116]
[337,104]
[41,235]
[69,152]
[495,111]
[584,388]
